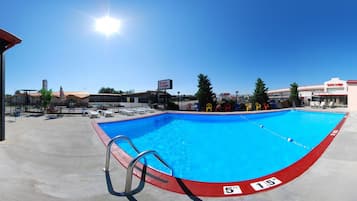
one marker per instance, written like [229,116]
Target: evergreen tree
[46,97]
[260,93]
[294,94]
[204,93]
[109,90]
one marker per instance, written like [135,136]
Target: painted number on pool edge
[261,185]
[231,190]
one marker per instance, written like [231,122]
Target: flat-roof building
[334,90]
[352,95]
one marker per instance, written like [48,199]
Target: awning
[8,40]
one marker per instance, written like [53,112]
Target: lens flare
[107,25]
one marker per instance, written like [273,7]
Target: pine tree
[294,94]
[260,93]
[204,93]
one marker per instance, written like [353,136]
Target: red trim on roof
[9,38]
[331,95]
[352,82]
[184,186]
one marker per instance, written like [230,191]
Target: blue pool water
[226,148]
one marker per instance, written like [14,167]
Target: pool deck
[62,159]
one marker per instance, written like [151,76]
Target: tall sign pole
[7,40]
[164,85]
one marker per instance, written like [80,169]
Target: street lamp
[237,96]
[7,40]
[178,99]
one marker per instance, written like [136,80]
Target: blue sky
[232,42]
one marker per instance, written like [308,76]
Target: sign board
[335,84]
[164,84]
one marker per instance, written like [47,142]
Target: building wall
[106,98]
[305,93]
[333,90]
[352,95]
[335,86]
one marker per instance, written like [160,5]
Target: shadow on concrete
[130,194]
[141,185]
[187,191]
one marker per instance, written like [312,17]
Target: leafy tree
[294,94]
[260,93]
[109,90]
[46,96]
[8,99]
[204,93]
[172,106]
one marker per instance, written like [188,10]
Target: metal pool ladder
[129,173]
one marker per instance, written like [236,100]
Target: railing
[129,174]
[119,137]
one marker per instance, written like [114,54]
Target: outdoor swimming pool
[231,148]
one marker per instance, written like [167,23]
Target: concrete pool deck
[62,159]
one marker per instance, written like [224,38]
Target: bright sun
[107,25]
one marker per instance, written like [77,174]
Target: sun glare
[107,25]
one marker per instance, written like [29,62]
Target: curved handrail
[129,173]
[118,137]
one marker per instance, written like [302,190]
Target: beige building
[335,90]
[306,93]
[352,95]
[72,99]
[66,99]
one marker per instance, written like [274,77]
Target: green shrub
[172,106]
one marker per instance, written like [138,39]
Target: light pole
[7,40]
[237,96]
[178,99]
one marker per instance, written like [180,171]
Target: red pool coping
[240,188]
